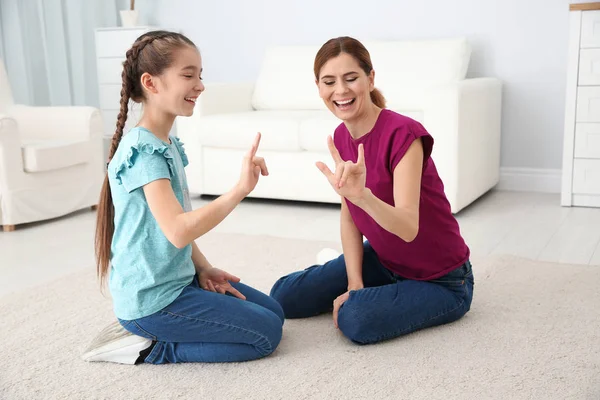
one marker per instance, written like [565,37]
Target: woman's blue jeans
[389,306]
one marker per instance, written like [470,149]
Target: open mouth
[344,104]
[191,100]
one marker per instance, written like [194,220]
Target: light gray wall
[524,43]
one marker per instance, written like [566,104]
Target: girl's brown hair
[152,52]
[344,44]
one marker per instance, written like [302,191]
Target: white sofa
[424,80]
[51,161]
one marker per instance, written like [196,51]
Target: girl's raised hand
[252,168]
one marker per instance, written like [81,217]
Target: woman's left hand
[337,303]
[218,281]
[349,178]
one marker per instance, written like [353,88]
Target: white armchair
[51,159]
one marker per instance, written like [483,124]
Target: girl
[172,304]
[413,271]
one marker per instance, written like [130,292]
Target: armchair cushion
[51,123]
[49,155]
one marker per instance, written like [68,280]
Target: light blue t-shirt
[147,271]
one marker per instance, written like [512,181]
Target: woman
[413,271]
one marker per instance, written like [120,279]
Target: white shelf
[581,160]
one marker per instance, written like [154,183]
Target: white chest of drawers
[111,46]
[581,148]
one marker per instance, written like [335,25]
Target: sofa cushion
[279,129]
[49,155]
[420,63]
[286,80]
[416,115]
[315,129]
[405,70]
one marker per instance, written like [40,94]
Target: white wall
[522,42]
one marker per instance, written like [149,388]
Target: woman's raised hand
[349,178]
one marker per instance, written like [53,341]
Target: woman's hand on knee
[337,303]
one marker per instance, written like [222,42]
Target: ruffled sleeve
[179,145]
[141,160]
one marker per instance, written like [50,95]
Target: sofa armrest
[464,120]
[11,160]
[71,122]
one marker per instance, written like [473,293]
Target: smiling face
[345,87]
[176,90]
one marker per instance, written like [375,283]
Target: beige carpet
[533,333]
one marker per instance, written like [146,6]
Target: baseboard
[530,180]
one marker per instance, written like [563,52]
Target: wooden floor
[531,225]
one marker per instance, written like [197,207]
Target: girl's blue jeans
[203,326]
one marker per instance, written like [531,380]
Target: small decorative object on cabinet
[129,17]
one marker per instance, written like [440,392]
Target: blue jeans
[389,306]
[204,326]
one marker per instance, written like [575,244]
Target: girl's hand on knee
[218,281]
[252,168]
[337,303]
